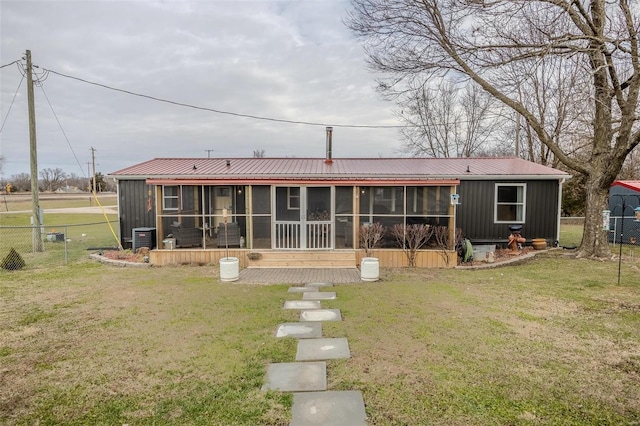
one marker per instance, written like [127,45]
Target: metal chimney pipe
[329,158]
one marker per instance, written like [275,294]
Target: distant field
[22,202]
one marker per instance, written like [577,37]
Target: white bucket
[369,269]
[229,269]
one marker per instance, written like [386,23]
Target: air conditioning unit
[143,237]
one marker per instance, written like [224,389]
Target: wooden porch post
[356,218]
[452,220]
[159,225]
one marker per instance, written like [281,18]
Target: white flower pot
[369,269]
[229,269]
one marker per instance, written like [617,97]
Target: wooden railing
[287,235]
[319,235]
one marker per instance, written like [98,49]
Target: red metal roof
[344,169]
[630,184]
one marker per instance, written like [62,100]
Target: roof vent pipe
[328,158]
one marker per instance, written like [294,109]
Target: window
[293,198]
[170,199]
[510,202]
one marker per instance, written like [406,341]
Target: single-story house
[283,211]
[624,201]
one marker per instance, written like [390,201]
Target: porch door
[304,218]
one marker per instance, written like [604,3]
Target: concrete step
[302,258]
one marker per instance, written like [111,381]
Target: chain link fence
[45,246]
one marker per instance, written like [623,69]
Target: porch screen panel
[344,217]
[261,216]
[411,205]
[344,200]
[288,204]
[261,200]
[319,224]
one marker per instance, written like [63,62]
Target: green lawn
[550,342]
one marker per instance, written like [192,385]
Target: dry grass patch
[113,346]
[532,344]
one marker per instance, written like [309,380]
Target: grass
[81,232]
[570,234]
[551,341]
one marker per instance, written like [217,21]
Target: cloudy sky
[289,60]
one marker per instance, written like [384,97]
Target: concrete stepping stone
[336,408]
[319,295]
[302,304]
[318,285]
[321,315]
[296,377]
[301,289]
[322,349]
[300,330]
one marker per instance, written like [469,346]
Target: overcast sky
[291,60]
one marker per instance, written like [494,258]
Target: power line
[12,101]
[217,111]
[60,125]
[10,63]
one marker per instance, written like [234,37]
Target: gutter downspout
[560,183]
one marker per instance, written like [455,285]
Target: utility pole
[209,151]
[89,175]
[35,202]
[93,162]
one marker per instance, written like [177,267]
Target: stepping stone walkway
[307,378]
[319,295]
[321,315]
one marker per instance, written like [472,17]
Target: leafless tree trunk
[484,41]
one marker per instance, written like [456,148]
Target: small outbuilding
[624,212]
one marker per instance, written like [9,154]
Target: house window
[170,198]
[293,198]
[510,202]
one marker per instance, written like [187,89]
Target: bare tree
[631,168]
[77,182]
[259,153]
[370,236]
[52,179]
[485,40]
[411,238]
[443,242]
[20,182]
[448,121]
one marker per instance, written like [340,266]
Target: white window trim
[524,202]
[291,196]
[166,197]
